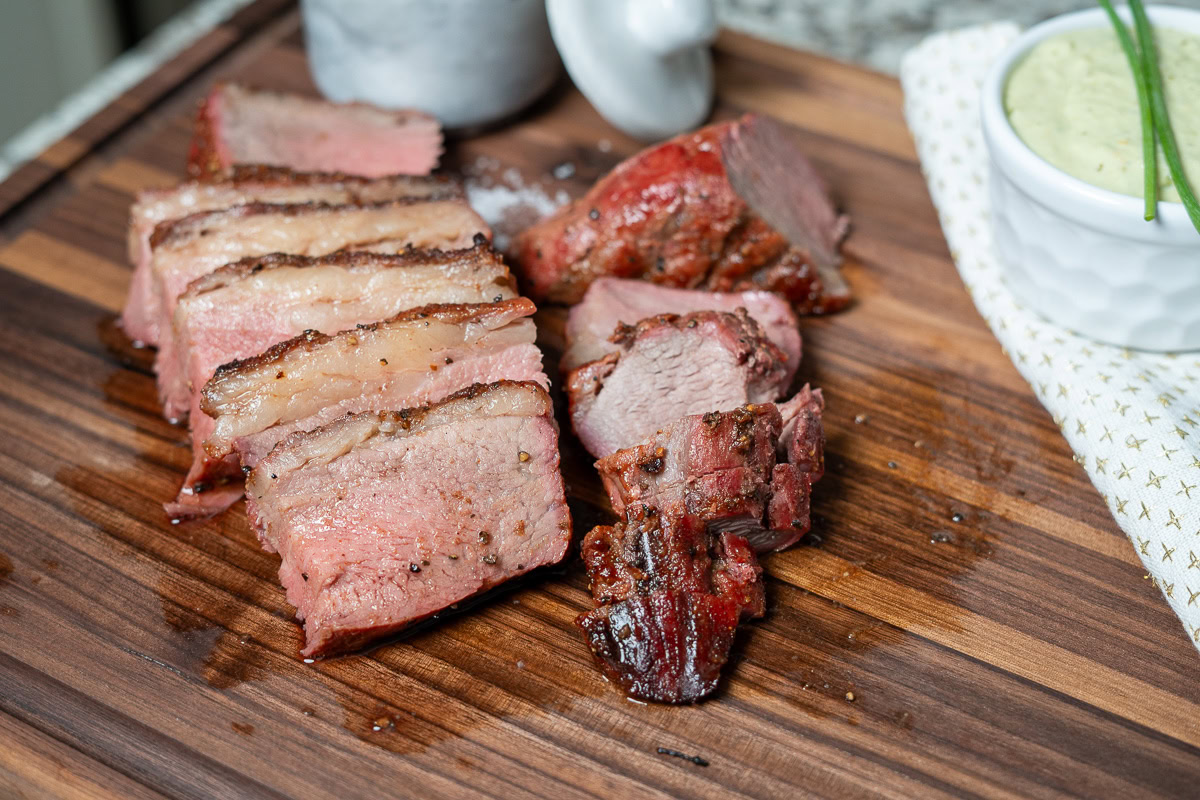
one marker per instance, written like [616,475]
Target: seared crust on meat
[452,313]
[480,255]
[754,346]
[667,367]
[369,424]
[440,186]
[679,214]
[194,225]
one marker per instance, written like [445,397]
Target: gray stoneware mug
[467,62]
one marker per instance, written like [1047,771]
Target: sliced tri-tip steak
[241,309]
[385,518]
[188,248]
[670,366]
[248,184]
[670,595]
[733,471]
[730,207]
[610,302]
[419,356]
[237,125]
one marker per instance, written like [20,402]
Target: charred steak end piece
[384,518]
[668,367]
[730,207]
[610,302]
[237,125]
[671,594]
[731,470]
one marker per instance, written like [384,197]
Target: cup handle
[667,26]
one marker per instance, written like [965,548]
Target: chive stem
[1149,150]
[1158,105]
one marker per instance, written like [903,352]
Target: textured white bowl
[1080,255]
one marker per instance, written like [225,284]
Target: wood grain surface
[967,620]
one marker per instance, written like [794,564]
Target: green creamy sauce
[1073,102]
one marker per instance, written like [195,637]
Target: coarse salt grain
[509,204]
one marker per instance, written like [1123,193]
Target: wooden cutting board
[968,620]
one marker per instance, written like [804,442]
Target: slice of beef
[248,184]
[671,594]
[382,519]
[673,215]
[418,356]
[668,367]
[612,301]
[188,248]
[733,471]
[794,200]
[237,125]
[241,309]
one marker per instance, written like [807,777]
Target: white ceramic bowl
[1080,255]
[467,62]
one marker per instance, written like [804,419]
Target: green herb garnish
[1148,78]
[1149,151]
[1158,104]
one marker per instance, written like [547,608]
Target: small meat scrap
[671,594]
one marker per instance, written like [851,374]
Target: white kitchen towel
[1132,418]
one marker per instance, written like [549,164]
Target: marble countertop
[875,33]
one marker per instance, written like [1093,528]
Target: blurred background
[51,48]
[63,60]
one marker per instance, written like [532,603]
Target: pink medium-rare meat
[678,214]
[241,309]
[426,352]
[418,356]
[670,594]
[384,518]
[732,471]
[189,248]
[248,184]
[609,302]
[668,367]
[236,125]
